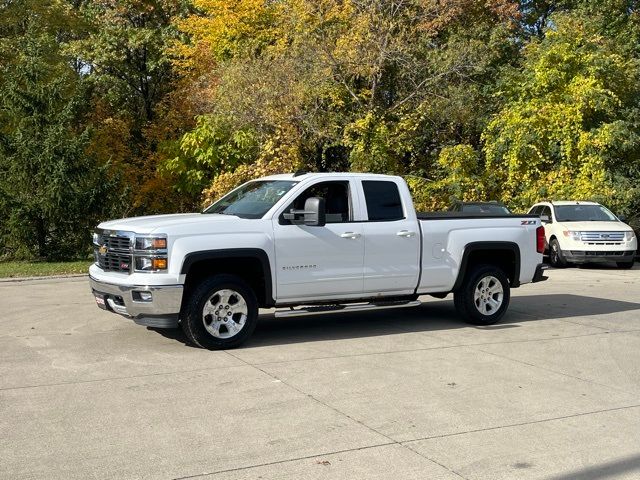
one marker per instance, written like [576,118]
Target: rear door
[321,262]
[392,240]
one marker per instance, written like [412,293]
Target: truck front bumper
[588,256]
[150,305]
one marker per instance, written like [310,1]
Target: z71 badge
[527,222]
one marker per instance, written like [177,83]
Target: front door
[317,262]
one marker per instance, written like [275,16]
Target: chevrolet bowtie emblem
[103,250]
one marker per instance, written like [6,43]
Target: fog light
[142,296]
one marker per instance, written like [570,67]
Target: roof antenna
[300,172]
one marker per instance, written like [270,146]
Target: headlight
[150,253]
[576,236]
[151,243]
[96,238]
[151,264]
[629,236]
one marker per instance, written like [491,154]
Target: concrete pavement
[551,392]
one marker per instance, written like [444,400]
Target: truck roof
[305,175]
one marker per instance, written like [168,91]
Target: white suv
[581,232]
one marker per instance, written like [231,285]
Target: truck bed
[462,215]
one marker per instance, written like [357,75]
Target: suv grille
[599,238]
[113,253]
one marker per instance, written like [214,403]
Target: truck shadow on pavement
[432,315]
[604,470]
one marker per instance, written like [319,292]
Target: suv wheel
[221,313]
[556,258]
[484,296]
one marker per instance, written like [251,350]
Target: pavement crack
[564,374]
[392,441]
[288,460]
[110,379]
[521,424]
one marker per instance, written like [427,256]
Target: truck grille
[113,253]
[602,238]
[116,243]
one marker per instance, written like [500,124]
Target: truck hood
[167,223]
[595,226]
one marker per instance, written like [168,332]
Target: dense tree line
[123,107]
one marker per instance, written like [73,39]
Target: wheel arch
[486,253]
[250,264]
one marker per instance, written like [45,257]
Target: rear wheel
[556,258]
[625,265]
[484,296]
[221,313]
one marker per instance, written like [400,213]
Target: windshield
[486,208]
[253,199]
[583,213]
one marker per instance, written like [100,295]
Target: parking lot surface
[552,391]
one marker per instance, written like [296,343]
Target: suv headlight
[629,236]
[150,253]
[576,236]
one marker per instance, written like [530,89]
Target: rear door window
[383,200]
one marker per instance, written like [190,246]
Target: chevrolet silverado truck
[585,232]
[303,244]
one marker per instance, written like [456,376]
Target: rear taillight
[540,239]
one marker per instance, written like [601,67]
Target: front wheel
[484,296]
[556,258]
[220,313]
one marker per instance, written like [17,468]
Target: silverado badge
[103,250]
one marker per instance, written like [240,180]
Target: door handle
[350,235]
[405,233]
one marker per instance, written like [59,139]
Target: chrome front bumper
[151,305]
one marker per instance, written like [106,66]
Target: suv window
[336,197]
[383,200]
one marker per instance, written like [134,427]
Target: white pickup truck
[308,243]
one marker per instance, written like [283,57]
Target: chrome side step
[358,307]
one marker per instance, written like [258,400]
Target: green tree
[124,54]
[51,191]
[368,85]
[570,124]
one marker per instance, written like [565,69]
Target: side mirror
[545,219]
[622,218]
[313,215]
[314,212]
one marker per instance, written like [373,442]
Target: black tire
[556,257]
[465,302]
[196,325]
[625,265]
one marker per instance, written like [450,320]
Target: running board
[320,309]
